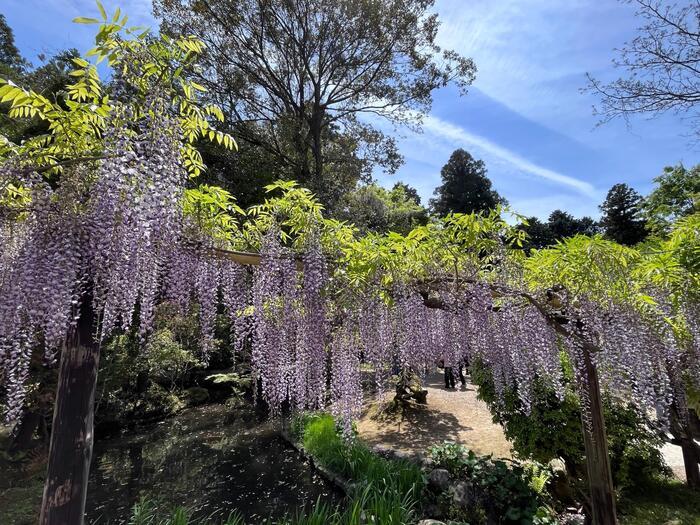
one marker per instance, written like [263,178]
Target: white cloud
[460,137]
[532,55]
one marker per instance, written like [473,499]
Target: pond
[202,460]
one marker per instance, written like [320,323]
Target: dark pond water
[211,466]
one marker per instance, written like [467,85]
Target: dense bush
[507,493]
[552,429]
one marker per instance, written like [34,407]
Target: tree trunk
[70,451]
[602,494]
[24,431]
[682,431]
[690,462]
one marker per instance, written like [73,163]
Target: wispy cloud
[461,137]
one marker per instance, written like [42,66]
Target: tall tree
[10,58]
[539,234]
[562,225]
[676,195]
[661,67]
[299,74]
[621,220]
[465,187]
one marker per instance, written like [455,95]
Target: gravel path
[452,415]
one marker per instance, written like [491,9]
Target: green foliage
[622,221]
[166,359]
[388,489]
[660,501]
[676,195]
[465,187]
[508,493]
[559,226]
[634,447]
[590,266]
[374,208]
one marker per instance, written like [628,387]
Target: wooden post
[70,451]
[683,436]
[600,482]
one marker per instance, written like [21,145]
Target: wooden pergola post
[72,436]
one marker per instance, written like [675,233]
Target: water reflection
[197,460]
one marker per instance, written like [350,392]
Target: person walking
[449,374]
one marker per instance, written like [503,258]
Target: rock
[461,494]
[572,518]
[557,465]
[560,486]
[421,397]
[434,510]
[196,395]
[439,479]
[431,522]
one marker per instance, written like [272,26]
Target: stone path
[454,415]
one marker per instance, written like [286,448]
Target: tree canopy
[676,195]
[294,77]
[373,208]
[622,215]
[465,187]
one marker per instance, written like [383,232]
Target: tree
[10,58]
[563,225]
[298,74]
[539,234]
[372,208]
[677,194]
[102,197]
[662,73]
[621,220]
[465,187]
[410,192]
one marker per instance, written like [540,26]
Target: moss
[196,395]
[20,505]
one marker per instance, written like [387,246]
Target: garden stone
[431,522]
[197,395]
[439,478]
[461,494]
[561,488]
[573,519]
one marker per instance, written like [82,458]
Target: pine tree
[465,187]
[621,220]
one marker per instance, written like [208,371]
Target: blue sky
[525,115]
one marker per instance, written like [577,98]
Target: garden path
[453,415]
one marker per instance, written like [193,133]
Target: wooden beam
[250,258]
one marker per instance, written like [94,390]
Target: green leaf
[102,10]
[85,20]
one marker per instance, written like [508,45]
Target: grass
[357,463]
[21,484]
[660,502]
[147,512]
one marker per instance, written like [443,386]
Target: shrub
[508,493]
[633,444]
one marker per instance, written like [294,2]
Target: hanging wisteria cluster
[103,234]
